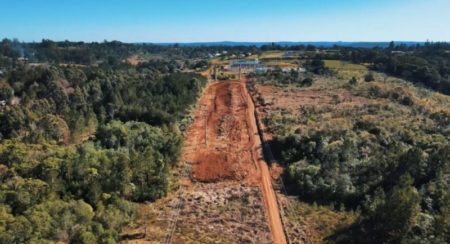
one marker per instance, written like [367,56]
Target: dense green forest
[393,178]
[80,143]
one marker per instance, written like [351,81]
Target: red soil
[223,145]
[219,139]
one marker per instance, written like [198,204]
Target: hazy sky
[230,20]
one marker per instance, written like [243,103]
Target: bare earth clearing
[230,148]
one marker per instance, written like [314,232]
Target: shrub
[369,77]
[353,81]
[307,82]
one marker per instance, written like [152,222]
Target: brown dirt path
[275,223]
[223,145]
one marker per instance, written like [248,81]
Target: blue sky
[231,20]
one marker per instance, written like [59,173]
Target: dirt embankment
[219,141]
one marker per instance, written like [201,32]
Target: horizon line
[230,41]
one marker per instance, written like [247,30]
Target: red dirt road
[223,145]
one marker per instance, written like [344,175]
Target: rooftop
[245,62]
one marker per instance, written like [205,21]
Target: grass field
[342,65]
[271,55]
[281,64]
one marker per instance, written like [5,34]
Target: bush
[353,81]
[369,77]
[307,82]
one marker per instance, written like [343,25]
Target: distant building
[22,59]
[245,64]
[261,70]
[297,69]
[398,52]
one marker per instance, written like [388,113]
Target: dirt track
[223,145]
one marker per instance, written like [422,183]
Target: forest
[80,144]
[393,179]
[85,135]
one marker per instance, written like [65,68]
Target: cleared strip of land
[223,145]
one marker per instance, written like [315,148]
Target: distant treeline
[426,63]
[112,52]
[288,45]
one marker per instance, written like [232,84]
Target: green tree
[397,216]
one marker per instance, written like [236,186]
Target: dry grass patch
[315,222]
